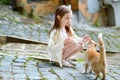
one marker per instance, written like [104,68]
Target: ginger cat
[96,60]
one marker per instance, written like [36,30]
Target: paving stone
[20,76]
[36,27]
[6,76]
[35,36]
[1,22]
[4,27]
[7,60]
[80,67]
[18,64]
[12,27]
[8,33]
[19,34]
[2,31]
[31,63]
[46,65]
[1,57]
[114,72]
[5,68]
[32,71]
[20,27]
[76,74]
[43,37]
[18,70]
[63,75]
[113,76]
[42,70]
[108,77]
[20,60]
[46,72]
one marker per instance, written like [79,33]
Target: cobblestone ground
[24,68]
[17,26]
[27,62]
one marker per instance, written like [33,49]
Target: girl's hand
[68,41]
[86,38]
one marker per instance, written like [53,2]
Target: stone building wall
[116,7]
[42,8]
[91,15]
[115,4]
[38,8]
[74,4]
[92,12]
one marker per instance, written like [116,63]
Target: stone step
[22,67]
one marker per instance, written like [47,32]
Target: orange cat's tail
[102,49]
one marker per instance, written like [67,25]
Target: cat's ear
[90,40]
[96,44]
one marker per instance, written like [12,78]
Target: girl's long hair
[61,11]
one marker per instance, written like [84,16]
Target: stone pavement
[21,27]
[25,68]
[20,63]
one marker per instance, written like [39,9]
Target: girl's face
[66,20]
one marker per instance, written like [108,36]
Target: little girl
[63,42]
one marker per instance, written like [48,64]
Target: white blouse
[64,34]
[56,45]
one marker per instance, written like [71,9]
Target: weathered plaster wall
[89,9]
[74,4]
[92,14]
[116,6]
[39,8]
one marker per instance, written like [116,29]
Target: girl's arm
[80,39]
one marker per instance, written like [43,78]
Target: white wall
[116,5]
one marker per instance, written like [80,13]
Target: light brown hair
[61,11]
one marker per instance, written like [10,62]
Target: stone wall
[38,8]
[92,15]
[74,4]
[116,6]
[42,8]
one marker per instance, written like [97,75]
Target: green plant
[97,24]
[80,60]
[43,78]
[7,2]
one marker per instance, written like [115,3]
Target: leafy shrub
[7,2]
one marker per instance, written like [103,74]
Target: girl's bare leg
[71,49]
